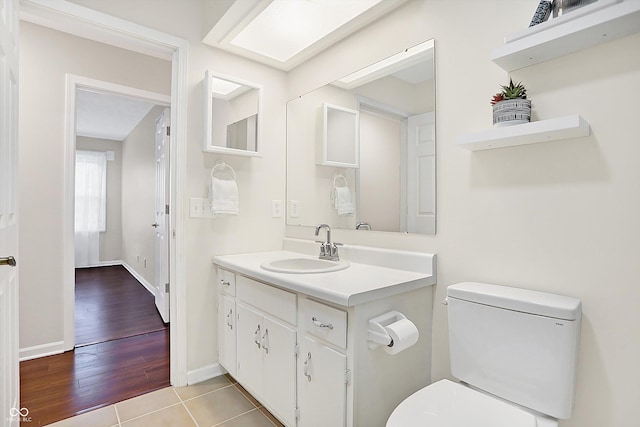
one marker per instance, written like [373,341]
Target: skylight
[286,33]
[287,27]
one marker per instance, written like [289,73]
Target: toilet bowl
[450,404]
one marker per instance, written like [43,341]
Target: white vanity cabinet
[302,343]
[322,368]
[266,345]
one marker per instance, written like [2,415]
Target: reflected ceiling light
[287,27]
[222,87]
[393,64]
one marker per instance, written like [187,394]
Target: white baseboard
[103,264]
[205,373]
[41,350]
[139,278]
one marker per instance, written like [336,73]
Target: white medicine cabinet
[233,115]
[339,139]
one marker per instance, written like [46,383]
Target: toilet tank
[517,344]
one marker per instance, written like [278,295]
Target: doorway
[121,253]
[98,110]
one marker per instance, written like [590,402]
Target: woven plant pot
[511,112]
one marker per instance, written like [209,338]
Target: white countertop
[355,285]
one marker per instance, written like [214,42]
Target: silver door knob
[155,225]
[9,260]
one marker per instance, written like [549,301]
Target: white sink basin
[304,265]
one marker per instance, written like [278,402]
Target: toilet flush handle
[445,301]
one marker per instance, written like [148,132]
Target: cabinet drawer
[226,282]
[325,322]
[273,301]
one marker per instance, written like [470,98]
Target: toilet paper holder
[378,335]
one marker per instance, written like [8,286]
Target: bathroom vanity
[299,341]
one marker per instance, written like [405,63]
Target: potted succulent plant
[511,106]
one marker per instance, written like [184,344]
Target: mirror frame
[208,116]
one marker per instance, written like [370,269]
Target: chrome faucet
[328,250]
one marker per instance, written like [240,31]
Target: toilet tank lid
[524,300]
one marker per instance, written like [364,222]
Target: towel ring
[221,166]
[338,176]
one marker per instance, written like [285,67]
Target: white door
[279,371]
[323,390]
[162,212]
[10,411]
[421,165]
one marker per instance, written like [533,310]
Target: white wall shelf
[528,133]
[599,22]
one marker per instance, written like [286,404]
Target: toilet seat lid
[448,404]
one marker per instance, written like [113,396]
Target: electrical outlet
[276,209]
[295,209]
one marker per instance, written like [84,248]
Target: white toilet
[515,352]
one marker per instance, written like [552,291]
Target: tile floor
[217,402]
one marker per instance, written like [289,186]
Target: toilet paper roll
[403,333]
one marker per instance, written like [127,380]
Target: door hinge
[297,413]
[168,130]
[166,288]
[166,209]
[347,376]
[296,350]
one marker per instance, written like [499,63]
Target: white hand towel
[343,201]
[223,194]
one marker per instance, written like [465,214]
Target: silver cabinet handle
[225,282]
[229,324]
[305,368]
[265,341]
[256,336]
[155,225]
[319,324]
[8,260]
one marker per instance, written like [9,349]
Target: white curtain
[90,205]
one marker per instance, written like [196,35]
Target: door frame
[88,23]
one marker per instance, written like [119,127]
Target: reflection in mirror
[232,115]
[391,185]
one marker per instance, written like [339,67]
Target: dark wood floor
[93,375]
[112,304]
[56,387]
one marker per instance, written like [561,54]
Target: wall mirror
[233,115]
[390,185]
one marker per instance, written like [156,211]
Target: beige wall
[111,239]
[559,217]
[45,57]
[138,197]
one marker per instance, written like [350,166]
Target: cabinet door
[227,333]
[249,367]
[278,344]
[323,390]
